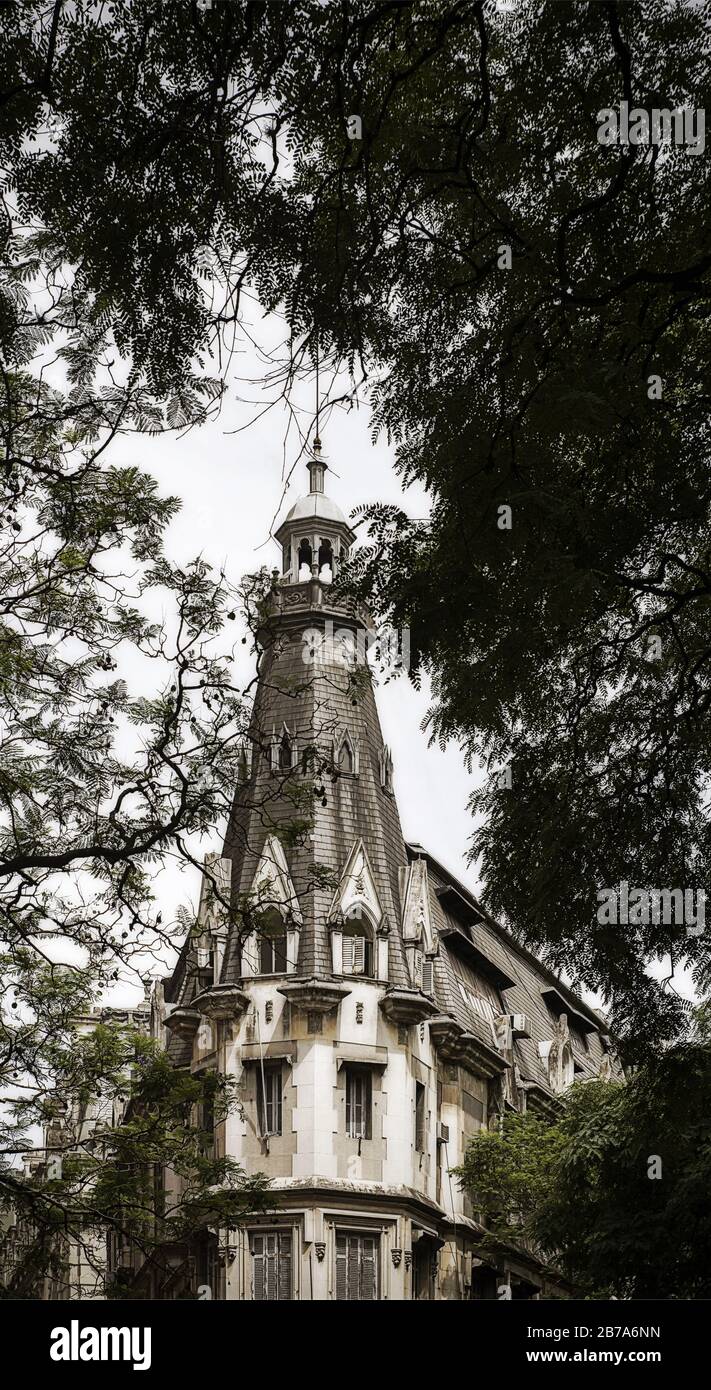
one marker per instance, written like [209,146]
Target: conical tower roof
[317,751]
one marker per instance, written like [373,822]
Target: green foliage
[176,157]
[615,1192]
[121,1115]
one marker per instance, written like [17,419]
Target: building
[375,1015]
[73,1264]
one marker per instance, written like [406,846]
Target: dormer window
[358,954]
[272,944]
[346,756]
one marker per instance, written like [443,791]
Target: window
[357,946]
[285,758]
[305,556]
[420,1117]
[325,561]
[269,1094]
[206,1126]
[345,758]
[476,990]
[358,1102]
[271,1266]
[272,945]
[356,1267]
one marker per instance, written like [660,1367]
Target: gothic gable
[272,885]
[416,919]
[357,887]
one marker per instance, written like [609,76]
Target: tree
[615,1192]
[526,309]
[118,1116]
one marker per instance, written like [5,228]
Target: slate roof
[525,995]
[317,704]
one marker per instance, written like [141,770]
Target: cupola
[315,536]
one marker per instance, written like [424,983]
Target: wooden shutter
[353,1266]
[428,977]
[420,1096]
[341,1267]
[368,1268]
[271,1266]
[272,1263]
[348,955]
[356,1267]
[350,1093]
[273,1077]
[258,1269]
[284,1285]
[358,954]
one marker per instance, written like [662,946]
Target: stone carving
[320,1247]
[408,1259]
[357,887]
[397,1256]
[416,922]
[605,1072]
[558,1056]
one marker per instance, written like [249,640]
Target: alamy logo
[75,1343]
[641,906]
[684,126]
[344,647]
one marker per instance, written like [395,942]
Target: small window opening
[305,559]
[325,561]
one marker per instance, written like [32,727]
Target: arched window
[286,756]
[346,760]
[325,561]
[305,558]
[358,953]
[271,943]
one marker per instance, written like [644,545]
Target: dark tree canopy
[616,1191]
[177,158]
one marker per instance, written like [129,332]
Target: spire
[317,468]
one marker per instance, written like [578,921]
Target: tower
[372,1013]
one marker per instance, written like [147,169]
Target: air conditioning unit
[519,1026]
[442,1133]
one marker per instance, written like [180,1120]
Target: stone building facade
[373,1013]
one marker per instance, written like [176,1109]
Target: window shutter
[357,1105]
[350,1103]
[341,1268]
[348,955]
[285,1286]
[368,1268]
[420,1098]
[272,1262]
[358,954]
[428,977]
[353,1267]
[258,1283]
[269,1077]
